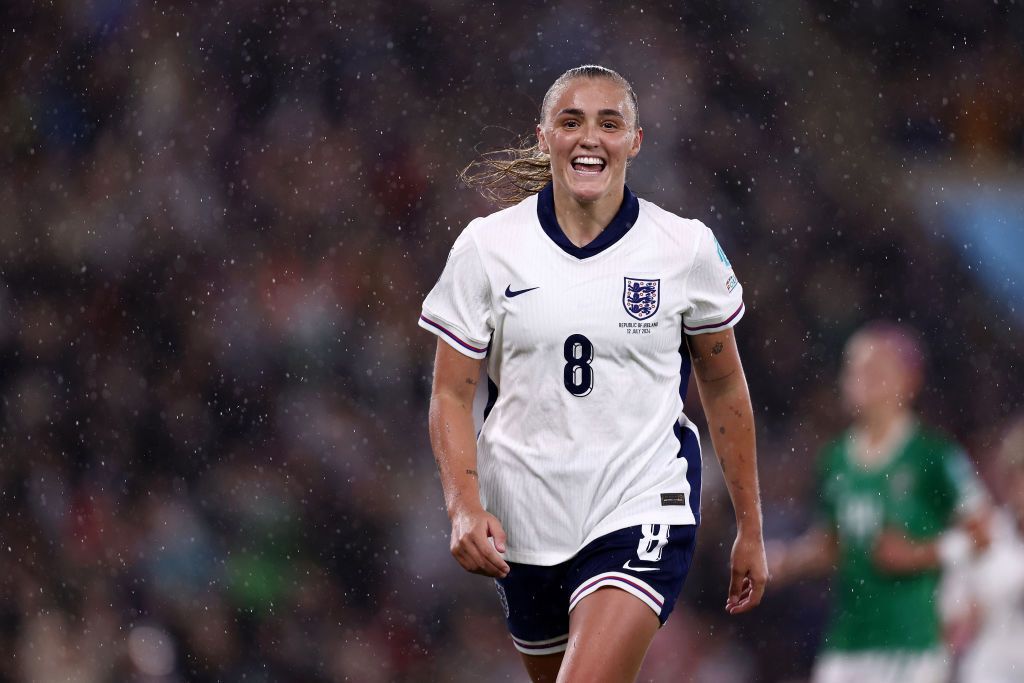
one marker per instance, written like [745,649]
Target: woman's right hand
[472,530]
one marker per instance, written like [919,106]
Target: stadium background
[217,222]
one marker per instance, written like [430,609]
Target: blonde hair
[508,176]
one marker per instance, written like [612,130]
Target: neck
[877,436]
[582,222]
[878,425]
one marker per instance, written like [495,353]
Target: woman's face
[874,378]
[590,133]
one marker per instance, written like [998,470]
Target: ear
[638,138]
[542,142]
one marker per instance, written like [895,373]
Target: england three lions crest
[641,297]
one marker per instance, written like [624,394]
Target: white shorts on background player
[882,666]
[585,348]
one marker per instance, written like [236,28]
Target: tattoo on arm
[470,380]
[701,361]
[472,473]
[715,350]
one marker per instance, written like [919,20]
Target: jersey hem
[683,517]
[716,326]
[452,336]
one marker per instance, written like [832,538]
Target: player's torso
[875,609]
[896,493]
[583,433]
[587,332]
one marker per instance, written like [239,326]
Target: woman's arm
[454,444]
[897,553]
[813,554]
[726,401]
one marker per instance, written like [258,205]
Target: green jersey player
[897,502]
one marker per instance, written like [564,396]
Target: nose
[589,138]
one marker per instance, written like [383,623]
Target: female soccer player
[581,495]
[898,503]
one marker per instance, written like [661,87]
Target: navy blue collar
[616,230]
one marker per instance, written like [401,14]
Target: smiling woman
[590,306]
[508,176]
[588,144]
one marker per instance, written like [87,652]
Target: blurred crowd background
[217,224]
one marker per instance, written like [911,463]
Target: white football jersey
[587,367]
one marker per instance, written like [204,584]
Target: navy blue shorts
[649,562]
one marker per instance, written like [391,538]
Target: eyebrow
[602,112]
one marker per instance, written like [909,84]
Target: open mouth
[588,165]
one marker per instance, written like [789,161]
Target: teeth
[588,160]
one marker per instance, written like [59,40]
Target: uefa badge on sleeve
[641,297]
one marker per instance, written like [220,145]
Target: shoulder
[500,223]
[685,230]
[686,238]
[932,445]
[832,456]
[498,233]
[939,455]
[930,436]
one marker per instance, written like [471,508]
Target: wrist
[749,525]
[463,507]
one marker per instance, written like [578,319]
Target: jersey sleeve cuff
[454,337]
[706,326]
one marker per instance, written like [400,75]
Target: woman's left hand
[749,573]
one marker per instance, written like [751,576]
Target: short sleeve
[966,491]
[715,295]
[458,308]
[825,503]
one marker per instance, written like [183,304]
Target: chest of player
[899,495]
[624,308]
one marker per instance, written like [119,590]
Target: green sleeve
[826,502]
[961,482]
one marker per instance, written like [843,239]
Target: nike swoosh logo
[509,293]
[639,569]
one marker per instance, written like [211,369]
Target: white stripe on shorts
[630,584]
[541,647]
